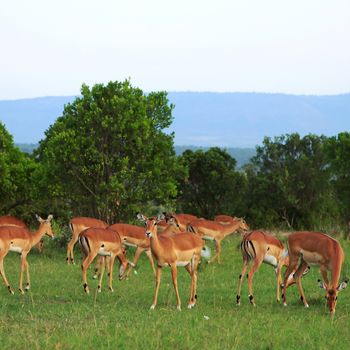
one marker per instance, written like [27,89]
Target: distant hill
[242,155]
[205,118]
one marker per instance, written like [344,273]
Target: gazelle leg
[99,261]
[70,248]
[2,272]
[324,275]
[293,263]
[174,277]
[159,275]
[194,272]
[217,252]
[88,260]
[189,269]
[298,274]
[103,263]
[250,276]
[27,287]
[278,278]
[138,252]
[111,265]
[149,256]
[240,281]
[23,266]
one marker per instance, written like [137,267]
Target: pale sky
[50,48]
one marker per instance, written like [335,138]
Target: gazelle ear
[141,217]
[160,217]
[342,285]
[321,284]
[49,218]
[39,218]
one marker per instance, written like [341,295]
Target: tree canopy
[108,155]
[212,185]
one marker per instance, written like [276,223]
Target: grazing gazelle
[182,249]
[134,236]
[77,225]
[8,220]
[315,248]
[260,247]
[20,240]
[106,243]
[182,220]
[215,231]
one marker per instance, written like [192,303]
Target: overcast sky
[52,47]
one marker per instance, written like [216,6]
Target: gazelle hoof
[21,291]
[94,277]
[284,304]
[99,289]
[152,307]
[306,305]
[111,289]
[27,287]
[178,307]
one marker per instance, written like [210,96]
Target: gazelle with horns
[20,240]
[315,248]
[181,249]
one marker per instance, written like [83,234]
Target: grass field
[56,314]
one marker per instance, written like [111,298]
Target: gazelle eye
[336,298]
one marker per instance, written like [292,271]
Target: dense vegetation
[108,156]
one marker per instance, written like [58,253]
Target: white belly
[16,249]
[208,238]
[103,252]
[129,244]
[182,263]
[312,258]
[271,260]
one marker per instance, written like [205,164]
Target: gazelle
[260,247]
[8,220]
[215,231]
[182,249]
[77,225]
[182,219]
[134,236]
[316,248]
[106,243]
[20,240]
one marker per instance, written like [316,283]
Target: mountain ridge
[204,119]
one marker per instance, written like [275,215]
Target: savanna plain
[56,314]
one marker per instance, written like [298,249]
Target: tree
[107,155]
[212,185]
[289,182]
[16,171]
[338,154]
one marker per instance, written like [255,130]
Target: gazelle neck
[37,235]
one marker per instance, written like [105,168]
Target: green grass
[56,314]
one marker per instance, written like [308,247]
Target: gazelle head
[332,294]
[123,264]
[243,226]
[46,225]
[151,223]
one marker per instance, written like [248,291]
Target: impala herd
[174,240]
